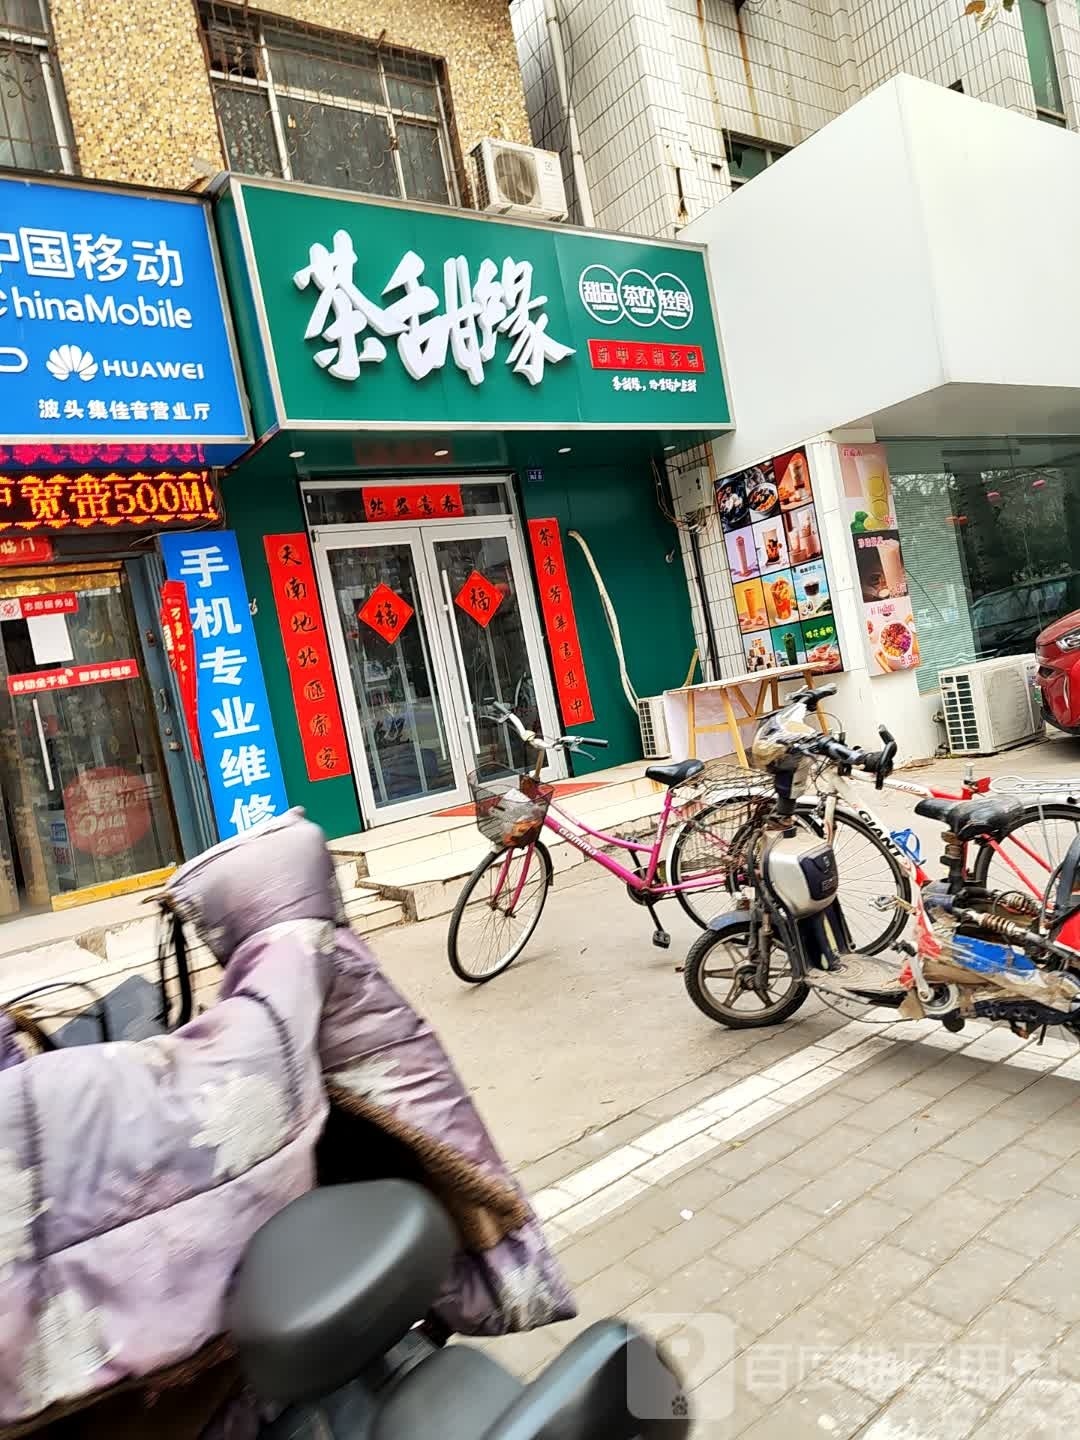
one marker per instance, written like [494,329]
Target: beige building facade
[167,92]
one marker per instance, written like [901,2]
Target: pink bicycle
[501,904]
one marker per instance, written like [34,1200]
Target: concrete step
[389,849]
[367,911]
[428,888]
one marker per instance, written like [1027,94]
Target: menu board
[773,540]
[891,638]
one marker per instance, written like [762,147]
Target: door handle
[163,700]
[470,718]
[44,747]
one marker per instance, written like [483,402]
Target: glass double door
[430,623]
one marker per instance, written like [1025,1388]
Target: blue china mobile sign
[113,323]
[240,753]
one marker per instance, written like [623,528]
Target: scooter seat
[991,815]
[335,1280]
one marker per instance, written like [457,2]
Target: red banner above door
[436,501]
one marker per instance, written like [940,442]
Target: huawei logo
[68,360]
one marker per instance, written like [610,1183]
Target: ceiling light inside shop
[297,454]
[440,453]
[564,449]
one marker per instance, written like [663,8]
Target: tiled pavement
[876,1234]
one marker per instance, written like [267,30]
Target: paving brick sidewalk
[876,1233]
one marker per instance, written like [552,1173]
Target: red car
[1058,681]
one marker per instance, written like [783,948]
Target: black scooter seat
[335,1280]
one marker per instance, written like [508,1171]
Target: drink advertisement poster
[891,639]
[773,540]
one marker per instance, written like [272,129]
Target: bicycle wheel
[1036,845]
[717,974]
[868,872]
[487,930]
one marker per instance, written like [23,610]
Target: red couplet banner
[303,634]
[557,606]
[180,648]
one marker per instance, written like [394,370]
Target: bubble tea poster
[772,536]
[891,638]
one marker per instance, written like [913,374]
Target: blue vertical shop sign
[113,326]
[243,768]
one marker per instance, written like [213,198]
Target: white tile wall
[642,71]
[646,72]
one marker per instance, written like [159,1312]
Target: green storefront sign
[375,313]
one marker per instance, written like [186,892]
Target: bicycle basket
[720,780]
[510,810]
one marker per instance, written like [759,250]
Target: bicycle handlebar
[503,714]
[811,697]
[878,763]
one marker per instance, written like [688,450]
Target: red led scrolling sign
[633,355]
[43,504]
[307,653]
[557,606]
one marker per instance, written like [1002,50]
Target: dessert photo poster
[773,541]
[891,638]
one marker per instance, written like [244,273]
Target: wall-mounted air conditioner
[519,180]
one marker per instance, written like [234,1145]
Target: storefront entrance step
[416,867]
[391,847]
[439,856]
[432,887]
[368,911]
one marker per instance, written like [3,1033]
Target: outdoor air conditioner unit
[988,706]
[519,180]
[655,744]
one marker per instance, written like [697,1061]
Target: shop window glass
[991,534]
[1041,62]
[326,109]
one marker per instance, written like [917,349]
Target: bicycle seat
[335,1280]
[675,774]
[967,819]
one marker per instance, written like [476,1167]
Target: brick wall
[139,96]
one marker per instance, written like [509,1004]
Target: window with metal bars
[316,106]
[35,133]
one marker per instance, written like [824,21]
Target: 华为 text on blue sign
[112,321]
